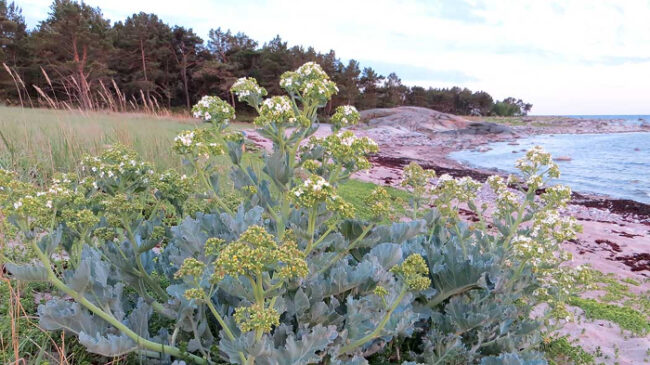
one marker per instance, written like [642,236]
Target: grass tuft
[627,318]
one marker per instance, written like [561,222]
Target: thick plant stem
[142,342]
[224,325]
[442,296]
[311,228]
[377,331]
[208,185]
[152,283]
[319,240]
[342,254]
[219,319]
[515,225]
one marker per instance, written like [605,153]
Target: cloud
[460,10]
[616,60]
[566,57]
[408,73]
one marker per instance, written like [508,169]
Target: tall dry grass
[83,96]
[39,142]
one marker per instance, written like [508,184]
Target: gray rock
[413,118]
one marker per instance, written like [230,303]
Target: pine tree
[186,47]
[369,86]
[144,57]
[73,44]
[13,49]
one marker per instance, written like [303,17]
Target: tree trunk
[185,82]
[80,62]
[144,69]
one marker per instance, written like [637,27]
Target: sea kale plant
[168,267]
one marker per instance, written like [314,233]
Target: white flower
[186,138]
[349,109]
[444,178]
[18,204]
[348,141]
[49,204]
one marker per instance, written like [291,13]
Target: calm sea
[617,164]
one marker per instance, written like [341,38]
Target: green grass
[626,317]
[618,292]
[354,191]
[38,142]
[561,351]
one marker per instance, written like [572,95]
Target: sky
[564,57]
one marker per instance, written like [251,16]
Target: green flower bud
[194,293]
[414,272]
[191,267]
[380,291]
[292,260]
[379,202]
[256,317]
[213,246]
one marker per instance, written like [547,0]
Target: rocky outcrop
[413,118]
[427,121]
[483,128]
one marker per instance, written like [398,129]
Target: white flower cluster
[309,83]
[313,191]
[247,90]
[348,141]
[278,110]
[450,192]
[199,142]
[506,199]
[277,106]
[321,87]
[349,110]
[213,109]
[314,184]
[114,168]
[557,196]
[345,115]
[535,159]
[186,138]
[311,70]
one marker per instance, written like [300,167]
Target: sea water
[623,119]
[616,164]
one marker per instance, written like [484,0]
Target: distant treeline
[77,58]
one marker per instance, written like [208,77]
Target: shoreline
[616,232]
[402,141]
[624,207]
